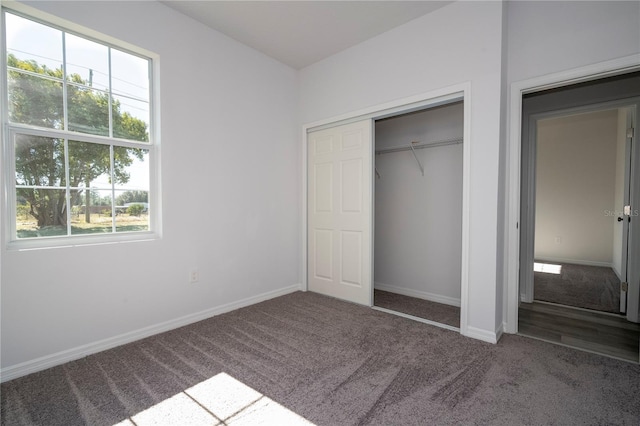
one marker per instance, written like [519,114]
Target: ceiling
[300,33]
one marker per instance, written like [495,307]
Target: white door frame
[512,185]
[430,99]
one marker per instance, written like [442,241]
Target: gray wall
[575,186]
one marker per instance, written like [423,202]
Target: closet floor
[592,331]
[425,309]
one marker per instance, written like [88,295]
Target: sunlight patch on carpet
[547,268]
[220,400]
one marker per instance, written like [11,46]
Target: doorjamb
[513,146]
[400,106]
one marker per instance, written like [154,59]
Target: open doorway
[577,196]
[581,187]
[418,214]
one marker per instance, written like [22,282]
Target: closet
[418,213]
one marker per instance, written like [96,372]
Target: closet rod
[417,159]
[420,146]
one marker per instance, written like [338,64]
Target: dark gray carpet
[432,311]
[581,286]
[335,363]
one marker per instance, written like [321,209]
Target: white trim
[447,94]
[48,361]
[514,128]
[304,285]
[466,207]
[499,331]
[399,106]
[484,335]
[438,298]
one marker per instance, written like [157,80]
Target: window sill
[46,243]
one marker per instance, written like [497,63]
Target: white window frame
[10,130]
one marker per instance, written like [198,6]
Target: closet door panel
[351,186]
[340,211]
[323,248]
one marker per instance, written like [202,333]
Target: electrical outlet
[194,276]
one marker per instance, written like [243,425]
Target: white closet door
[340,212]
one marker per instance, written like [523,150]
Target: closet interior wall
[418,219]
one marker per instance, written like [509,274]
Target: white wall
[458,43]
[547,37]
[418,219]
[575,187]
[230,199]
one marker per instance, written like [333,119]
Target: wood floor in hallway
[602,333]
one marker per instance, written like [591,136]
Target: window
[79,137]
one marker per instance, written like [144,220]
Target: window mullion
[81,137]
[11,177]
[110,95]
[113,187]
[68,184]
[65,100]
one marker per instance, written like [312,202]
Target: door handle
[620,219]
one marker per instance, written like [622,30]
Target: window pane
[126,198]
[87,62]
[96,218]
[132,197]
[37,46]
[39,161]
[89,165]
[88,110]
[35,100]
[130,119]
[129,75]
[132,209]
[131,168]
[89,174]
[41,212]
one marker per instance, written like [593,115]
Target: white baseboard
[500,331]
[484,335]
[446,300]
[48,361]
[574,261]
